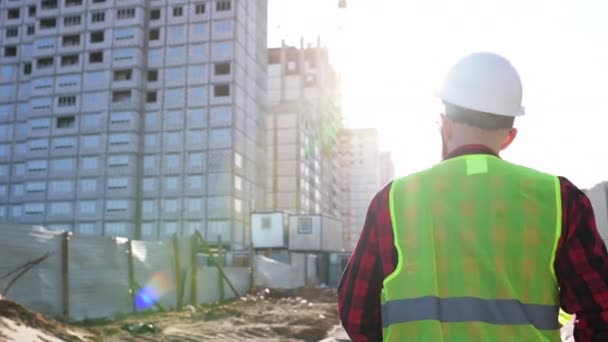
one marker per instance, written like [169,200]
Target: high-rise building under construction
[137,118]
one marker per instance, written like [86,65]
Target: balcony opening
[199,9]
[13,13]
[66,101]
[122,75]
[96,57]
[222,6]
[72,20]
[69,60]
[70,3]
[125,13]
[72,40]
[97,37]
[47,23]
[27,68]
[12,32]
[155,14]
[46,62]
[151,97]
[221,90]
[10,51]
[121,97]
[152,75]
[154,34]
[222,69]
[66,122]
[98,17]
[48,4]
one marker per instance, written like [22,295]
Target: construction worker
[476,248]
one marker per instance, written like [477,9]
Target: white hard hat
[484,82]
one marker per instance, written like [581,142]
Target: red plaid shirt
[581,266]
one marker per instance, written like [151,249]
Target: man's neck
[469,149]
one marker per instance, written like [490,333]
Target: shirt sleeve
[581,267]
[361,284]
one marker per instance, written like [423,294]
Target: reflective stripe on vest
[469,309]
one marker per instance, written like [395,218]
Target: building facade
[598,195]
[361,178]
[387,168]
[302,125]
[133,118]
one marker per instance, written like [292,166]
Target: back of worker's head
[482,95]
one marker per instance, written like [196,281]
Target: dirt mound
[13,314]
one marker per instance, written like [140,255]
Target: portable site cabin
[315,233]
[321,235]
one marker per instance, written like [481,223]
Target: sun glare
[393,54]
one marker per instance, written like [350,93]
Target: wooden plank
[194,272]
[219,261]
[251,265]
[178,274]
[131,274]
[65,275]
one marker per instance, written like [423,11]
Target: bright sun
[392,55]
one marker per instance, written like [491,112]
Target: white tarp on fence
[274,274]
[98,272]
[98,277]
[153,266]
[40,288]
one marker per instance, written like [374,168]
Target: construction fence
[87,277]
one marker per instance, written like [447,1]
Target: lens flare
[158,285]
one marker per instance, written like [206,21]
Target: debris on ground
[140,328]
[17,323]
[302,315]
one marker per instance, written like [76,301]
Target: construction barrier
[85,277]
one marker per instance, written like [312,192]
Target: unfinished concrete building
[302,125]
[133,118]
[360,159]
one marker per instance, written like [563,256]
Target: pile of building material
[17,323]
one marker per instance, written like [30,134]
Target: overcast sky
[392,54]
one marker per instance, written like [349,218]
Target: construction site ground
[308,314]
[265,315]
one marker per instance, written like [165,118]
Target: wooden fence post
[179,282]
[194,271]
[251,266]
[65,279]
[131,271]
[205,248]
[220,262]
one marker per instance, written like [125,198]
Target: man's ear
[509,138]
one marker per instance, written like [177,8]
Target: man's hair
[478,119]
